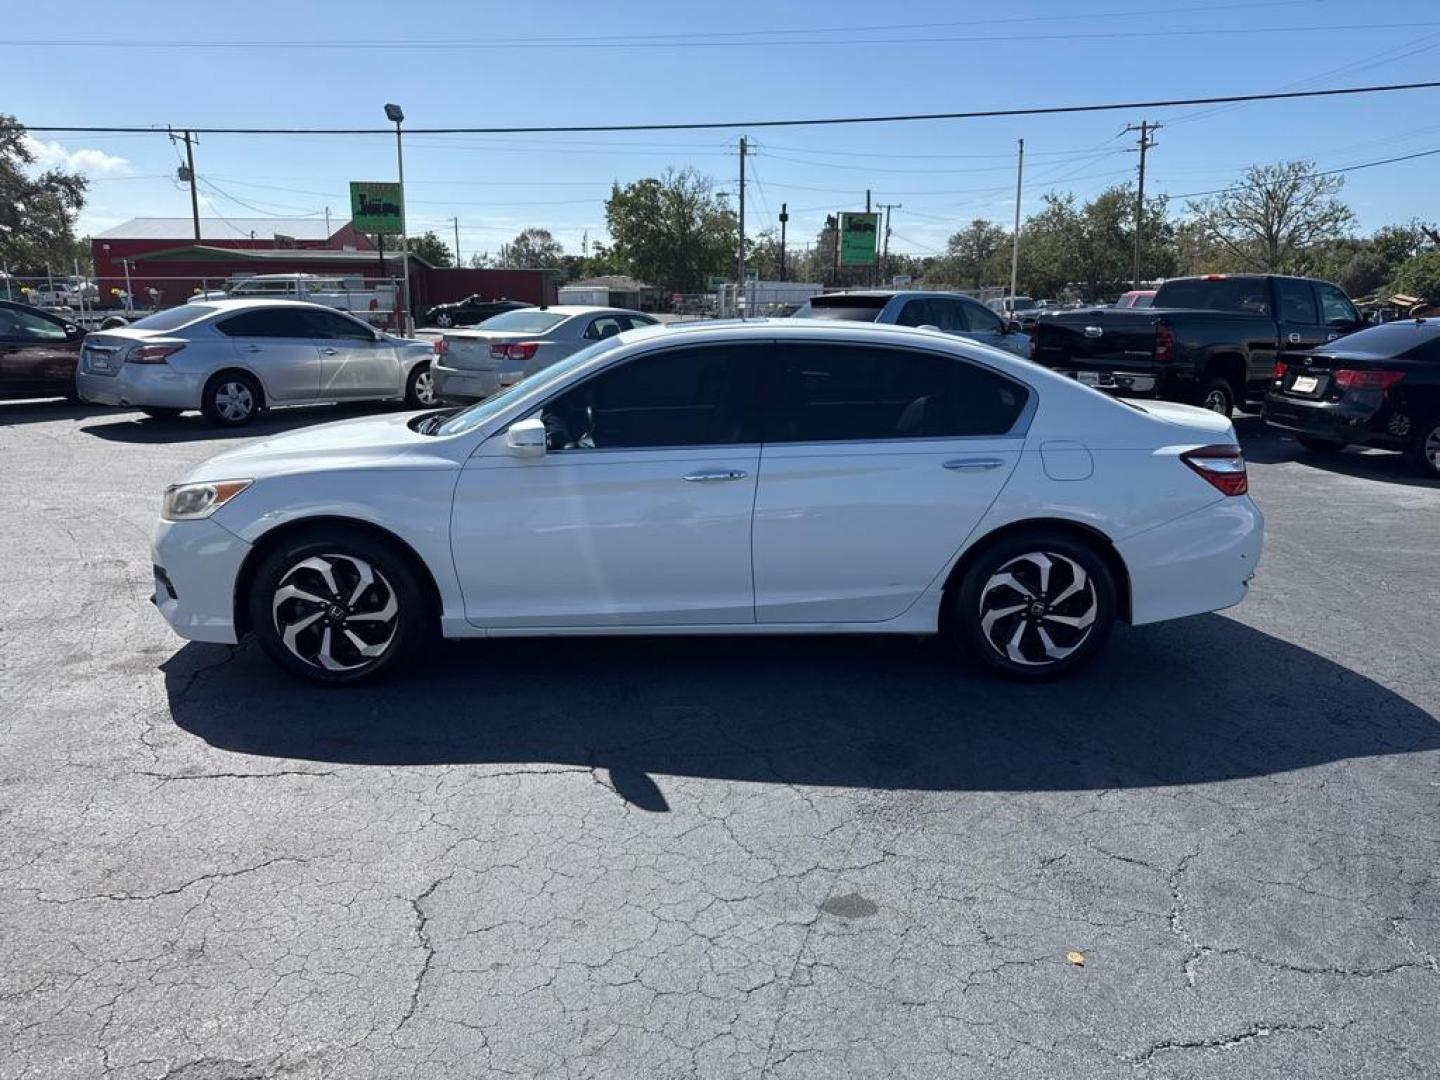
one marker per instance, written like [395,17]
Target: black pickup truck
[1209,341]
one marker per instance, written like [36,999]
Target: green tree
[431,248]
[672,231]
[1420,276]
[532,249]
[978,255]
[1276,217]
[37,213]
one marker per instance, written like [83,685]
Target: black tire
[1218,396]
[444,319]
[1424,451]
[156,413]
[231,398]
[1319,446]
[420,387]
[296,564]
[1015,641]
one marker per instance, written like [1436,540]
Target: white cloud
[51,155]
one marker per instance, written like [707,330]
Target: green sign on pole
[858,233]
[377,207]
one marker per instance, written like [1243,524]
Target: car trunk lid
[470,351]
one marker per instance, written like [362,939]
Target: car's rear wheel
[445,319]
[1319,446]
[231,398]
[420,388]
[1218,396]
[338,608]
[1424,453]
[1035,606]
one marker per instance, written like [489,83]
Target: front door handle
[1294,339]
[328,351]
[711,476]
[974,464]
[252,348]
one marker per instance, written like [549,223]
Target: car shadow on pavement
[1268,446]
[136,427]
[43,411]
[1199,700]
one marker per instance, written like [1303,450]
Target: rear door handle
[252,348]
[974,464]
[1294,339]
[711,476]
[328,351]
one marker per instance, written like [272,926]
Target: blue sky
[660,62]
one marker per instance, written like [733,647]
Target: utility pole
[875,271]
[188,173]
[1146,129]
[885,243]
[456,220]
[740,253]
[1015,237]
[784,218]
[328,233]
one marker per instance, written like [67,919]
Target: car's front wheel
[338,607]
[420,387]
[1035,606]
[445,319]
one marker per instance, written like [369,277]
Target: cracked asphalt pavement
[787,858]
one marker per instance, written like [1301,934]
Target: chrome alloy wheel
[1432,448]
[425,387]
[234,400]
[1216,401]
[1038,608]
[335,612]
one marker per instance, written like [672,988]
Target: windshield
[174,318]
[524,321]
[477,414]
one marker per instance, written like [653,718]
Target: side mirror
[526,438]
[1014,327]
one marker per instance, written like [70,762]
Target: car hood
[368,441]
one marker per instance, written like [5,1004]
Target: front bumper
[1202,561]
[155,385]
[463,384]
[196,567]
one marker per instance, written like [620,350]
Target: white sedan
[773,477]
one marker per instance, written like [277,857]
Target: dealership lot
[794,858]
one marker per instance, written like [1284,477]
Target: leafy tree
[1420,276]
[1276,216]
[672,231]
[978,255]
[37,213]
[532,249]
[432,249]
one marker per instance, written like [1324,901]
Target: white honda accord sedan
[764,477]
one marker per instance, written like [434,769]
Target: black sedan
[38,352]
[1376,387]
[470,311]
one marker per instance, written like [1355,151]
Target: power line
[1323,172]
[712,125]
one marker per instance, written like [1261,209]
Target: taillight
[1278,372]
[523,351]
[1222,465]
[1351,379]
[151,354]
[1164,342]
[441,346]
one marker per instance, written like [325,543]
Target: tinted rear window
[841,306]
[175,317]
[524,321]
[1245,295]
[1393,339]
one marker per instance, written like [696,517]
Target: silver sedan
[233,358]
[474,364]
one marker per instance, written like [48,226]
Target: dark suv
[1377,387]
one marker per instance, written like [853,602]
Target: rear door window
[1296,302]
[1248,295]
[29,326]
[275,322]
[1335,306]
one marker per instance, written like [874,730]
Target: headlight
[184,502]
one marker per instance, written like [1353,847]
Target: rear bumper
[196,566]
[156,385]
[1200,562]
[463,384]
[1129,378]
[1326,420]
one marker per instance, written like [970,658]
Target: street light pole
[395,113]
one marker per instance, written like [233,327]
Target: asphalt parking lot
[717,858]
